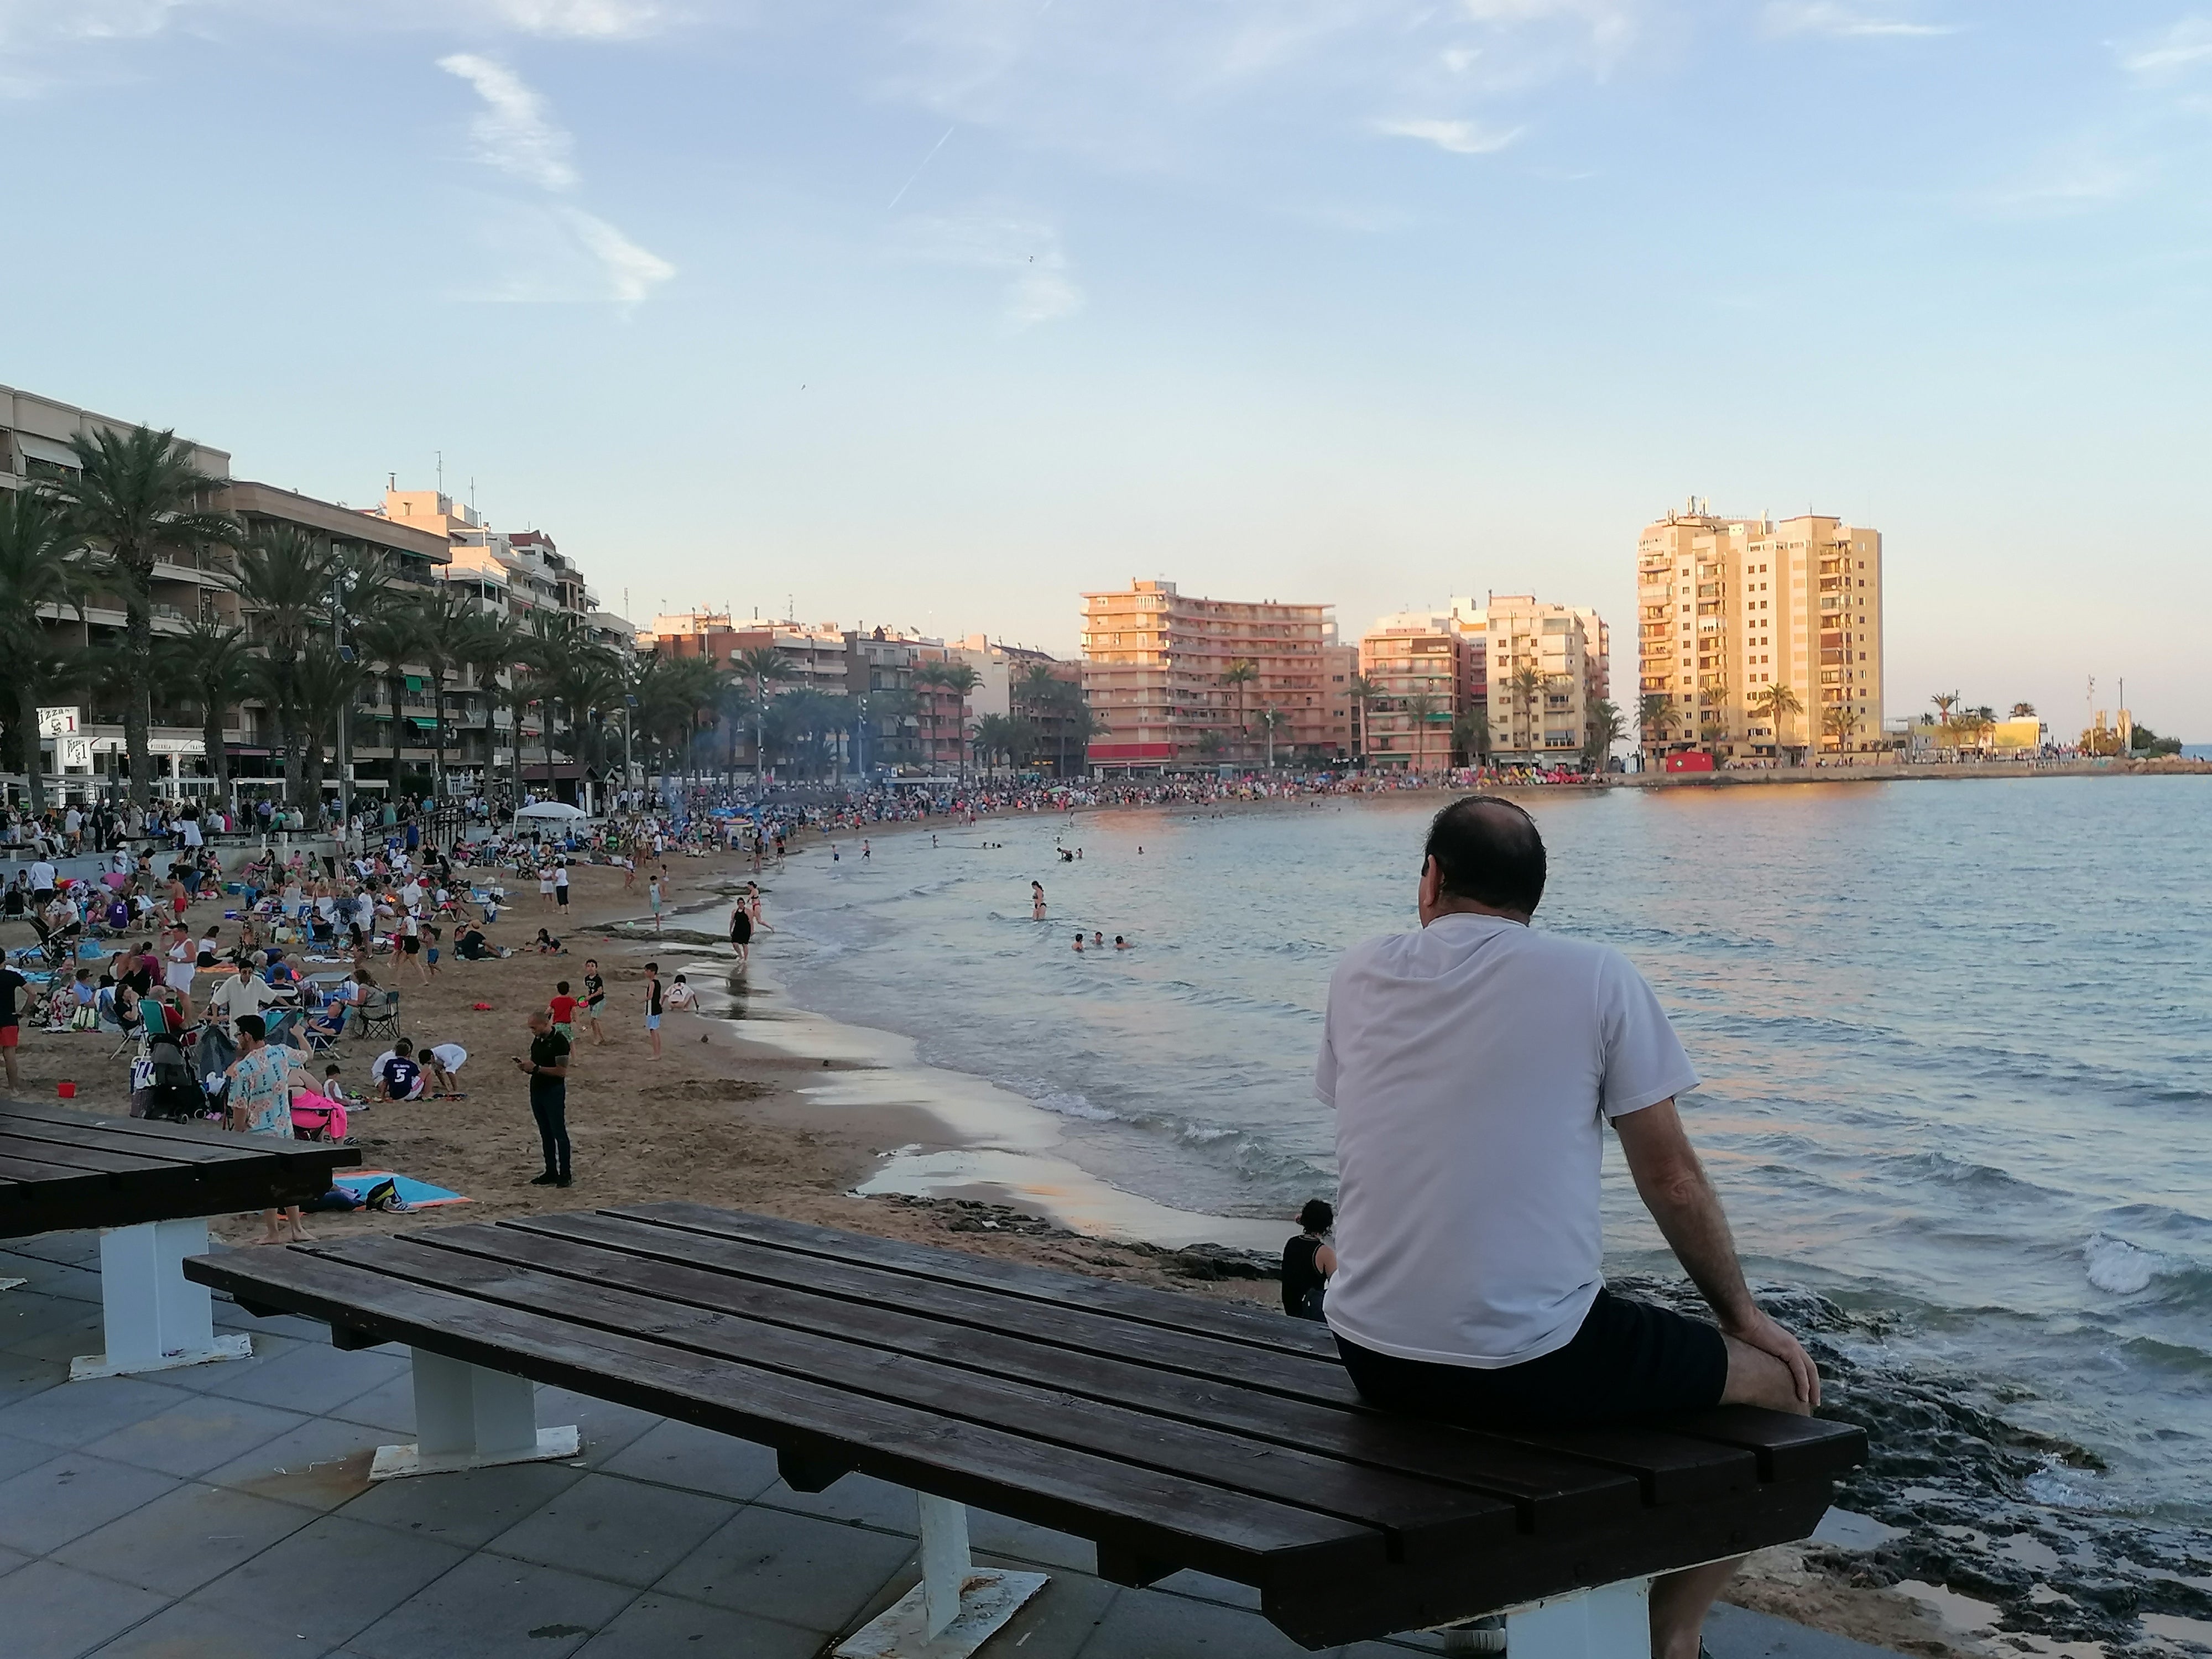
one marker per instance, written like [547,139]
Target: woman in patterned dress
[260,1102]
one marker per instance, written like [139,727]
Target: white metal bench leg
[153,1317]
[956,1608]
[468,1418]
[1612,1622]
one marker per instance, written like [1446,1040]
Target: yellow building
[1543,666]
[1728,607]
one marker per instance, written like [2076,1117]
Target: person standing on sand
[257,1101]
[547,1068]
[652,898]
[1473,1066]
[595,992]
[741,932]
[652,1005]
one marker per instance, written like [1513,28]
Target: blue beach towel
[415,1195]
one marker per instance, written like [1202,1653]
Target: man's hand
[1673,1185]
[1761,1332]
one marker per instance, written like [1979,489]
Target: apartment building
[1424,672]
[1544,669]
[1175,680]
[1728,608]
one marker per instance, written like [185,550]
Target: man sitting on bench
[1472,1065]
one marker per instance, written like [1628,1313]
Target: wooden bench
[150,1186]
[1170,1431]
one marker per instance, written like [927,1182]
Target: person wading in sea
[1473,1065]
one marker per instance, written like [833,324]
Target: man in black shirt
[547,1068]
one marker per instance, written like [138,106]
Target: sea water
[1954,1038]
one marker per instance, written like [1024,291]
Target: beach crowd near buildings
[344,658]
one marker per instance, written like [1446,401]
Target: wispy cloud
[581,19]
[1040,286]
[1460,137]
[1844,24]
[515,132]
[2184,49]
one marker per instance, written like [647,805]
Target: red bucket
[66,1089]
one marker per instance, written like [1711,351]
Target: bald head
[1487,850]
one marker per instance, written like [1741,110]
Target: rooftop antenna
[472,495]
[440,454]
[392,480]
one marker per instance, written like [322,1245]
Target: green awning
[417,682]
[421,724]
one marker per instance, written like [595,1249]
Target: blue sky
[936,312]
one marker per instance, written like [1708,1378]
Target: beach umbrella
[551,811]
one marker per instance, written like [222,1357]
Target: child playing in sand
[563,1008]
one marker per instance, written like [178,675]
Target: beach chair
[380,1015]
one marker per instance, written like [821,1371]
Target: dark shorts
[1629,1360]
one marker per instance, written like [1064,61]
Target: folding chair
[381,1020]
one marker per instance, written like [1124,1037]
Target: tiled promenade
[224,1512]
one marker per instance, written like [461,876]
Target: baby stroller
[172,1089]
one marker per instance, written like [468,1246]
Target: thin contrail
[926,161]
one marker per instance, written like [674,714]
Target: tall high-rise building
[1544,666]
[1424,672]
[1757,638]
[1177,681]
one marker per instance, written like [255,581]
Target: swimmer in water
[1120,943]
[1036,901]
[1097,941]
[1079,945]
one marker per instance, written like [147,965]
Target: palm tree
[1771,702]
[2023,711]
[324,685]
[448,619]
[386,628]
[1839,722]
[1528,683]
[488,648]
[1422,706]
[1945,701]
[284,579]
[762,665]
[1654,715]
[1603,727]
[1471,734]
[135,493]
[958,679]
[1239,674]
[1210,744]
[40,566]
[211,660]
[1363,693]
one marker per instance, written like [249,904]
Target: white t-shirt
[451,1056]
[1473,1066]
[184,964]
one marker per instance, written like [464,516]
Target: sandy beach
[766,1126]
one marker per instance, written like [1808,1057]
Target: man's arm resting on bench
[1673,1185]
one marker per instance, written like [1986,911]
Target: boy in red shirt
[563,1008]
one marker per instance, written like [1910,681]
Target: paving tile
[200,1433]
[697,1460]
[655,1626]
[606,1428]
[390,1406]
[1029,1545]
[468,1509]
[330,1580]
[185,1630]
[42,1509]
[1205,1587]
[25,1313]
[320,1465]
[859,1500]
[1144,1624]
[490,1606]
[75,1249]
[22,1376]
[184,1538]
[11,1559]
[614,1528]
[1060,1619]
[77,1284]
[56,1611]
[17,1456]
[790,1568]
[84,1412]
[222,1378]
[307,1378]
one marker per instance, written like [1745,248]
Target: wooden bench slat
[1150,1513]
[1547,1489]
[1426,1519]
[24,1178]
[69,1154]
[186,1143]
[1170,1309]
[1788,1447]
